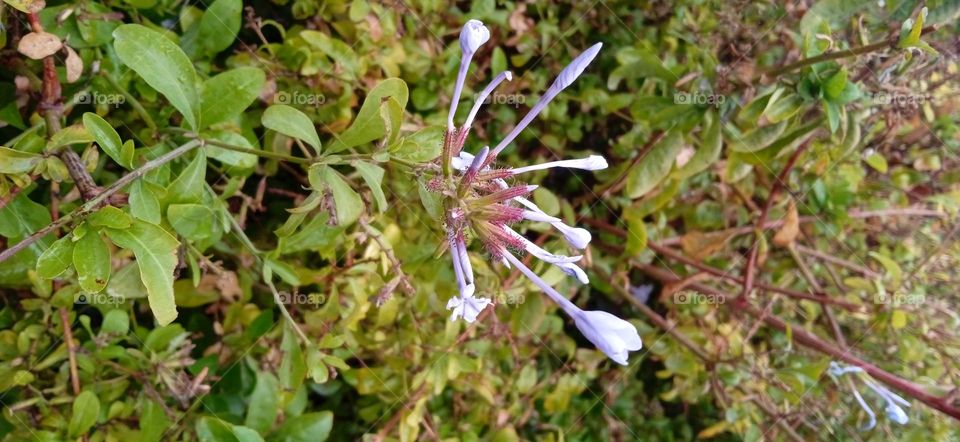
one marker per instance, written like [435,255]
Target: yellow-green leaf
[156,253]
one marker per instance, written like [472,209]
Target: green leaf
[116,322]
[86,409]
[109,216]
[877,161]
[156,253]
[91,258]
[219,25]
[392,115]
[75,134]
[264,403]
[834,85]
[27,6]
[238,161]
[144,203]
[19,219]
[189,185]
[711,144]
[293,367]
[636,233]
[338,51]
[421,146]
[654,166]
[283,270]
[912,38]
[55,260]
[153,421]
[229,94]
[373,176]
[784,108]
[162,64]
[15,161]
[107,138]
[347,201]
[757,139]
[292,123]
[369,124]
[211,429]
[194,222]
[309,427]
[893,270]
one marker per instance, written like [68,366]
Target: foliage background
[358,269]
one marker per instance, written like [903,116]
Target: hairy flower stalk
[483,205]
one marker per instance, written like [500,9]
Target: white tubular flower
[574,271]
[466,305]
[612,335]
[472,36]
[896,414]
[539,217]
[539,252]
[465,261]
[505,75]
[893,410]
[863,404]
[457,263]
[575,236]
[593,162]
[483,205]
[567,76]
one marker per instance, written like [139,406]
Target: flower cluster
[481,203]
[893,401]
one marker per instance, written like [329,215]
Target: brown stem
[751,267]
[51,106]
[71,348]
[826,257]
[680,257]
[737,231]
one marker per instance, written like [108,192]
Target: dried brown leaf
[39,45]
[787,234]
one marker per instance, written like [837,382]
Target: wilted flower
[893,401]
[481,204]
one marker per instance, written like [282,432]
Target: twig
[838,261]
[808,275]
[71,349]
[92,204]
[859,214]
[10,196]
[51,107]
[751,267]
[678,256]
[658,320]
[400,277]
[835,55]
[809,340]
